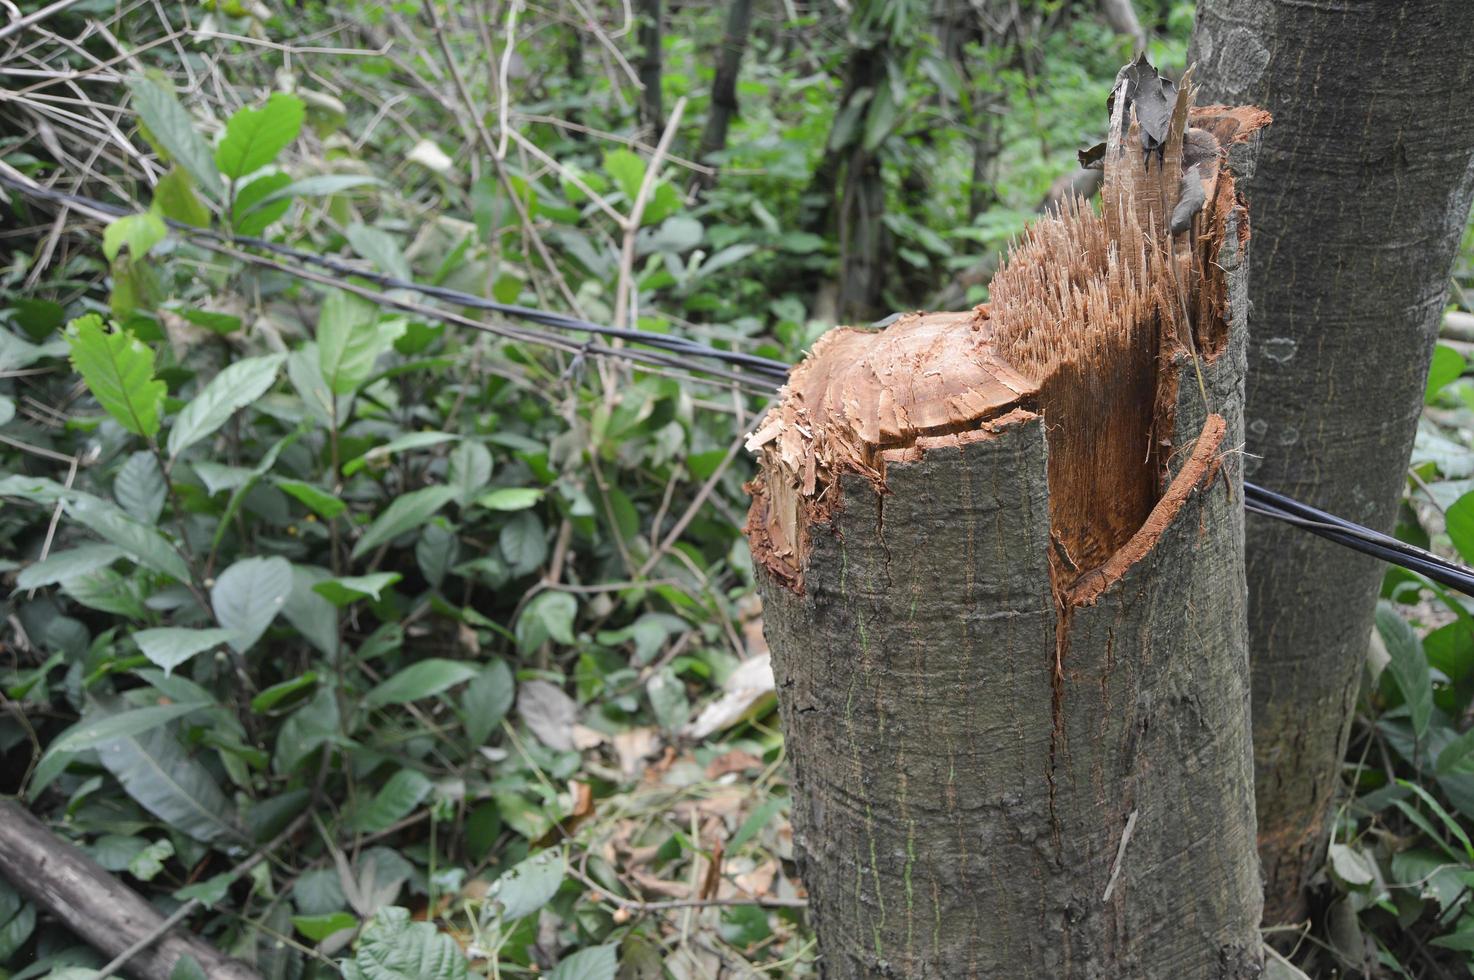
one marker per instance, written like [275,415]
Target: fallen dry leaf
[749,690]
[634,747]
[733,761]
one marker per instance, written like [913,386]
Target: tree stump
[1001,558]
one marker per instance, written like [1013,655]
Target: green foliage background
[429,619]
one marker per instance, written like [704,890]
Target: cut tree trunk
[1361,194]
[108,915]
[1001,559]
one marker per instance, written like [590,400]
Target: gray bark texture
[1362,190]
[994,777]
[104,912]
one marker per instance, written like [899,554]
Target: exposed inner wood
[1092,317]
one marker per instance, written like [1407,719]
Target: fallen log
[111,917]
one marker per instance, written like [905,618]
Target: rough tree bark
[96,906]
[1360,196]
[1001,560]
[724,87]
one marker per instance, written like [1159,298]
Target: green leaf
[549,615]
[1448,821]
[17,921]
[628,170]
[174,133]
[394,948]
[94,731]
[319,927]
[140,542]
[61,566]
[392,803]
[470,470]
[1459,519]
[342,591]
[316,498]
[406,513]
[1447,365]
[232,389]
[139,487]
[172,785]
[213,321]
[140,232]
[1351,866]
[592,963]
[755,822]
[523,543]
[409,441]
[260,203]
[175,199]
[171,646]
[421,680]
[149,861]
[309,613]
[668,699]
[277,693]
[187,968]
[1455,752]
[348,341]
[528,886]
[510,498]
[119,371]
[486,701]
[248,595]
[253,137]
[307,729]
[380,248]
[1408,665]
[320,185]
[436,552]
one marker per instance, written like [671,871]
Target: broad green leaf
[174,132]
[470,470]
[307,729]
[1408,665]
[1447,365]
[248,595]
[213,320]
[17,921]
[217,477]
[149,861]
[436,552]
[188,968]
[139,541]
[319,927]
[405,443]
[406,513]
[97,728]
[119,371]
[1459,520]
[755,822]
[343,591]
[523,543]
[320,185]
[394,948]
[253,137]
[171,646]
[16,353]
[140,232]
[169,783]
[668,699]
[7,409]
[1461,938]
[527,887]
[392,803]
[316,498]
[380,248]
[591,963]
[420,680]
[627,169]
[510,498]
[175,199]
[139,487]
[232,389]
[1351,866]
[309,613]
[486,701]
[348,341]
[259,203]
[549,615]
[61,566]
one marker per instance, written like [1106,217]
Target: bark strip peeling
[1001,559]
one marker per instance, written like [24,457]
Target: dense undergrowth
[459,630]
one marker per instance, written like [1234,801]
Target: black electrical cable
[1258,500]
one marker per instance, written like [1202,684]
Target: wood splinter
[1000,553]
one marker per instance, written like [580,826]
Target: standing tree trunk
[1001,561]
[724,87]
[1360,196]
[652,113]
